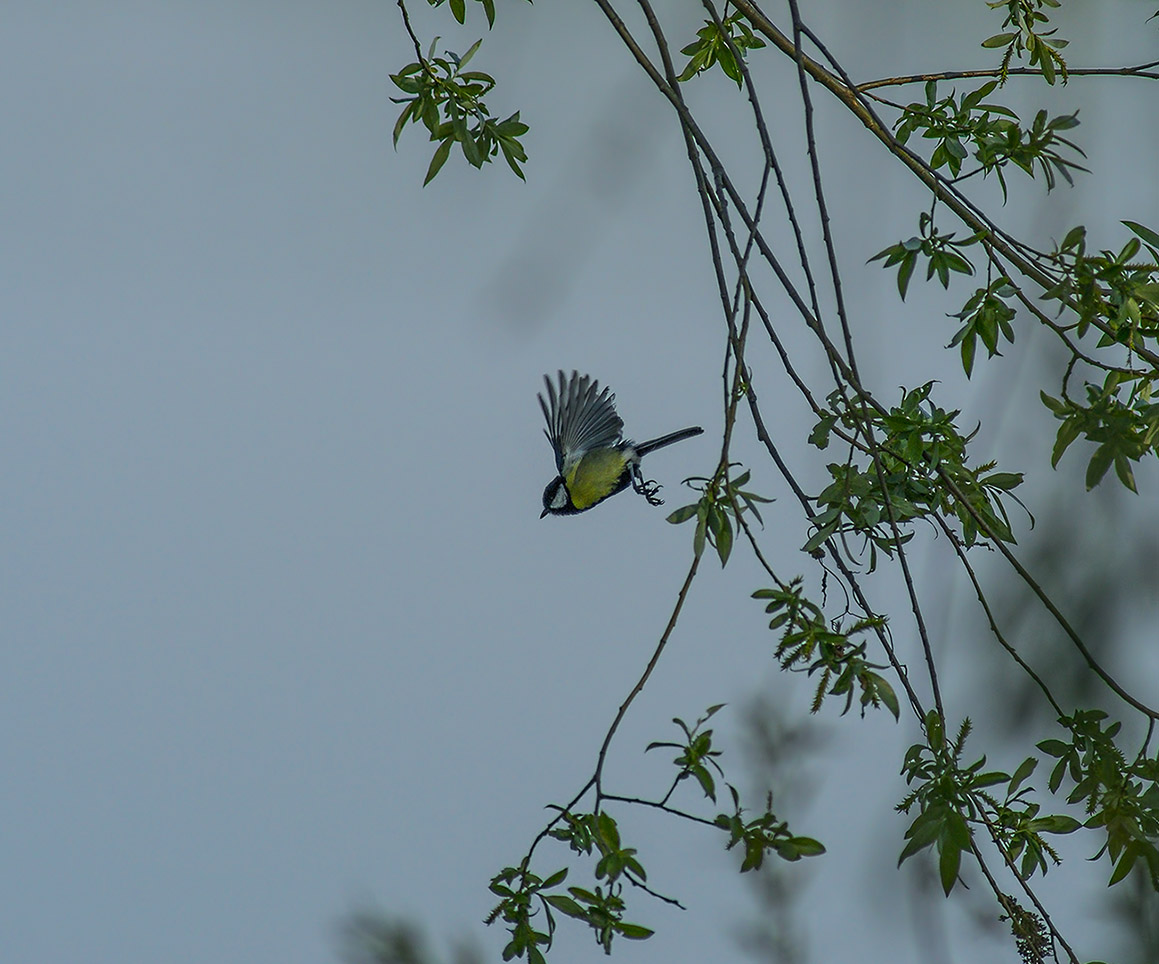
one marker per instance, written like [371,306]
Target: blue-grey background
[283,634]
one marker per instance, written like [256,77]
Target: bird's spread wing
[580,418]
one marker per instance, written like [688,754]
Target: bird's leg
[648,489]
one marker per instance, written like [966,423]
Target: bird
[592,457]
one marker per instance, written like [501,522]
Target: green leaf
[1025,769]
[1126,861]
[704,778]
[1098,465]
[1058,823]
[905,272]
[999,40]
[439,159]
[724,539]
[466,58]
[1068,431]
[401,122]
[554,880]
[1144,232]
[808,847]
[818,538]
[969,344]
[948,865]
[683,514]
[1124,471]
[565,905]
[1055,405]
[886,694]
[1004,480]
[634,932]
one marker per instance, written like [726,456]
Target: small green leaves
[923,470]
[1124,432]
[1040,46]
[990,132]
[1118,796]
[952,798]
[763,834]
[603,911]
[810,644]
[716,46]
[523,895]
[459,9]
[942,253]
[1118,295]
[448,101]
[986,316]
[696,753]
[722,501]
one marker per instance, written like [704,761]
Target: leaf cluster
[952,798]
[763,834]
[994,133]
[721,503]
[524,896]
[986,315]
[923,461]
[811,644]
[528,903]
[716,43]
[1120,797]
[1110,286]
[1119,415]
[448,101]
[758,835]
[1040,46]
[942,253]
[696,752]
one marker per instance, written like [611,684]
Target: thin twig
[410,30]
[1026,668]
[1143,70]
[597,778]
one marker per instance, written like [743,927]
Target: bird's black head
[556,500]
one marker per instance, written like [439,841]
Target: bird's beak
[543,513]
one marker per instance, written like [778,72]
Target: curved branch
[1142,70]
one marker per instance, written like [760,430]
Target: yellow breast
[595,477]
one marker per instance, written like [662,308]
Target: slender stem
[1026,668]
[1051,608]
[1143,70]
[410,31]
[597,777]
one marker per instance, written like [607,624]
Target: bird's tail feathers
[658,443]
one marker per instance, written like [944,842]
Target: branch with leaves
[898,467]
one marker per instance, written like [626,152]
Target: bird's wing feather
[580,417]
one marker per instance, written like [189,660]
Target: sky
[284,634]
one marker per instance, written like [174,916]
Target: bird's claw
[646,487]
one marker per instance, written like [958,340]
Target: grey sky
[284,634]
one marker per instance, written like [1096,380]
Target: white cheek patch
[559,500]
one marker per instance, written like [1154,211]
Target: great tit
[592,456]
